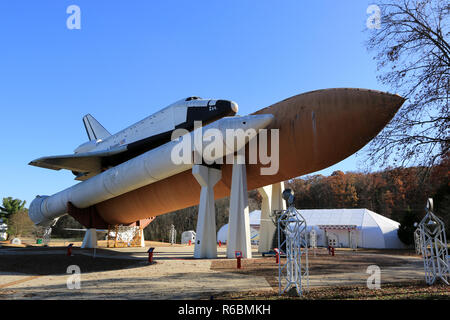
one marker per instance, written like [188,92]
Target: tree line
[396,193]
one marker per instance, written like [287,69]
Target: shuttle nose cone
[227,107]
[234,106]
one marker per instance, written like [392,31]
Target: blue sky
[131,58]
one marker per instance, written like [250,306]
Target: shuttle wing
[88,162]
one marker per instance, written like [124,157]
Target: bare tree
[20,224]
[413,57]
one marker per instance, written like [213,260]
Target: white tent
[188,235]
[371,230]
[255,217]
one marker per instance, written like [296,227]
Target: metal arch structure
[353,239]
[293,273]
[313,240]
[434,247]
[122,236]
[172,234]
[418,241]
[127,233]
[46,236]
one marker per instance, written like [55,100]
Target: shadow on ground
[54,260]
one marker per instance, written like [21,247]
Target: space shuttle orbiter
[104,150]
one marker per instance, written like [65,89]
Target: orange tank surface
[316,130]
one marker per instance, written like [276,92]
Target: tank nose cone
[397,101]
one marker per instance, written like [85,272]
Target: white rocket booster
[145,169]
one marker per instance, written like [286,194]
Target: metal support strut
[434,247]
[293,272]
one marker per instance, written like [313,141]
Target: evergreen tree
[11,206]
[406,229]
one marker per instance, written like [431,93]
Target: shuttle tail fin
[94,129]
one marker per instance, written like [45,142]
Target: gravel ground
[123,273]
[416,290]
[37,272]
[345,267]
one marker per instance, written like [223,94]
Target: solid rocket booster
[145,169]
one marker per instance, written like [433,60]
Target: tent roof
[359,217]
[255,217]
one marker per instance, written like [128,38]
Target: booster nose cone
[262,120]
[249,124]
[256,122]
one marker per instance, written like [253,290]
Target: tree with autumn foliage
[394,193]
[397,193]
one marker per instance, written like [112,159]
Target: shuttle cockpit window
[192,98]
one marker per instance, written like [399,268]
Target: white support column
[277,196]
[206,241]
[271,200]
[239,221]
[267,227]
[90,239]
[141,231]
